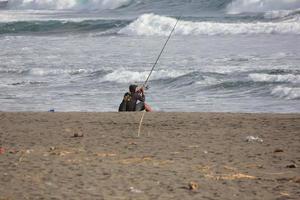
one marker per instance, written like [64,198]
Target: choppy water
[236,56]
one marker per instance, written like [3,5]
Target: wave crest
[68,4]
[125,76]
[286,92]
[151,24]
[242,6]
[284,78]
[291,15]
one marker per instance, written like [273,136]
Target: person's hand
[142,90]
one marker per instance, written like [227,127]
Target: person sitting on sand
[131,98]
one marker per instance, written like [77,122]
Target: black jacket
[130,100]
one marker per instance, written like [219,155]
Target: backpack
[125,103]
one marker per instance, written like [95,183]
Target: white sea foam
[68,4]
[13,71]
[51,72]
[291,15]
[286,78]
[286,92]
[41,15]
[209,81]
[125,76]
[240,6]
[150,24]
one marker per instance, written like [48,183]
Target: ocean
[81,55]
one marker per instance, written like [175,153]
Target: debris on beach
[237,176]
[253,139]
[56,151]
[52,148]
[193,186]
[278,150]
[284,194]
[13,151]
[145,160]
[291,166]
[133,143]
[68,130]
[78,135]
[106,154]
[134,190]
[231,174]
[28,151]
[297,179]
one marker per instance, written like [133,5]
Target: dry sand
[177,156]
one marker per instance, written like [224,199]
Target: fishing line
[154,65]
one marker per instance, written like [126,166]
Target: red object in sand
[2,150]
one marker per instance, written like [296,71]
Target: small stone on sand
[52,148]
[278,150]
[193,186]
[78,135]
[297,179]
[292,166]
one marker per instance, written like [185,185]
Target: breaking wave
[286,92]
[52,72]
[244,6]
[284,78]
[151,24]
[125,76]
[232,6]
[138,5]
[118,76]
[13,71]
[271,8]
[68,4]
[291,15]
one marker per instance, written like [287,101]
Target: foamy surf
[284,78]
[125,76]
[286,92]
[68,4]
[241,6]
[291,15]
[151,24]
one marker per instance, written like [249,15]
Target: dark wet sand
[41,158]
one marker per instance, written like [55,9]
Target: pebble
[193,186]
[292,166]
[134,190]
[12,151]
[78,135]
[52,148]
[297,179]
[278,150]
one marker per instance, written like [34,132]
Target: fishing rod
[162,50]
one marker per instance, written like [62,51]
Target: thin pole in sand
[154,65]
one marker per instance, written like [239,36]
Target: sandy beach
[177,156]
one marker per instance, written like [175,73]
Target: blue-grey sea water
[81,55]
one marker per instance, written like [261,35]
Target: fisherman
[131,98]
